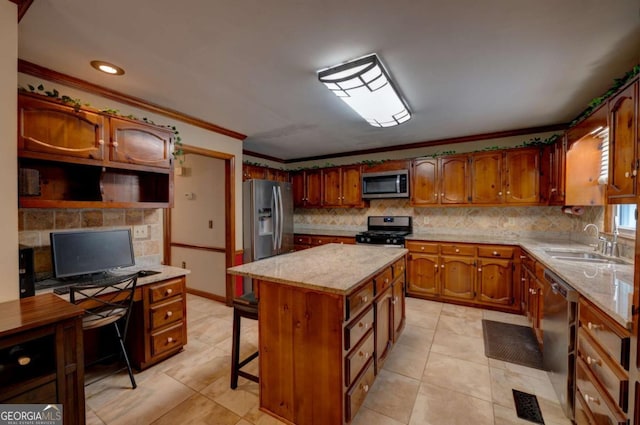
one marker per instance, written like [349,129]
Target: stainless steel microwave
[385,184]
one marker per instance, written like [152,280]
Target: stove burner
[385,230]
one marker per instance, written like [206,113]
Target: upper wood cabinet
[522,180]
[342,186]
[250,171]
[552,170]
[80,158]
[52,128]
[424,182]
[486,178]
[623,141]
[134,142]
[307,188]
[454,179]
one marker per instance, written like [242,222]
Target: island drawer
[424,247]
[164,290]
[165,313]
[302,240]
[355,362]
[613,379]
[383,280]
[495,251]
[357,301]
[466,250]
[167,339]
[592,399]
[399,268]
[609,335]
[354,331]
[356,395]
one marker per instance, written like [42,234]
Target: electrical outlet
[140,232]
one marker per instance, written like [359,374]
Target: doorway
[200,228]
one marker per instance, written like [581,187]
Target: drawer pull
[495,254]
[590,399]
[422,248]
[24,360]
[169,340]
[364,299]
[364,354]
[394,300]
[593,326]
[363,325]
[594,361]
[523,279]
[168,292]
[386,280]
[522,257]
[365,387]
[169,313]
[457,249]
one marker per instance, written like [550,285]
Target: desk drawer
[354,331]
[592,399]
[383,280]
[167,339]
[613,379]
[358,358]
[466,250]
[356,395]
[164,290]
[610,336]
[165,313]
[357,301]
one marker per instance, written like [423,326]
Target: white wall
[8,151]
[191,135]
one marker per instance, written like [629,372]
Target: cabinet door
[623,123]
[331,185]
[252,172]
[398,308]
[495,281]
[138,143]
[486,178]
[422,274]
[313,192]
[51,128]
[298,188]
[457,276]
[454,180]
[277,175]
[558,166]
[522,182]
[424,179]
[384,326]
[352,186]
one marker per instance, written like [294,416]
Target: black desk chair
[245,306]
[108,303]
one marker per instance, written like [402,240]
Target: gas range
[385,230]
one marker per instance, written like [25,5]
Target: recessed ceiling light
[107,67]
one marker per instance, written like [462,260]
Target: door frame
[229,222]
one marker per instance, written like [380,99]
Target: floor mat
[511,343]
[527,407]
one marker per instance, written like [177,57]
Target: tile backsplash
[511,222]
[34,226]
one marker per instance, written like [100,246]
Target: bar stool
[245,306]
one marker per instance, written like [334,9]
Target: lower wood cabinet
[469,274]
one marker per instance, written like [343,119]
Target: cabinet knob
[495,253]
[24,360]
[479,269]
[168,291]
[435,195]
[169,340]
[553,190]
[522,257]
[363,325]
[421,248]
[101,142]
[365,387]
[386,280]
[523,279]
[533,292]
[627,174]
[508,192]
[457,250]
[442,194]
[442,266]
[593,326]
[436,266]
[169,313]
[364,354]
[591,399]
[594,361]
[114,144]
[364,299]
[499,193]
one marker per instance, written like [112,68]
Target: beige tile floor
[437,374]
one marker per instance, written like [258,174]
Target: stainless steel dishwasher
[559,327]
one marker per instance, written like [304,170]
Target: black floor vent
[527,407]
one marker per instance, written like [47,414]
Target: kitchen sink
[582,256]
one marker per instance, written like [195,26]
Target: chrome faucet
[602,242]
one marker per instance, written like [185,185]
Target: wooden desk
[44,333]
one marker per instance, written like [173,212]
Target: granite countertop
[166,272]
[608,286]
[335,268]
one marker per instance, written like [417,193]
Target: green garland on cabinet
[76,104]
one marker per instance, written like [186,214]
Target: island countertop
[336,268]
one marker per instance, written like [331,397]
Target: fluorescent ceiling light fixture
[107,67]
[366,87]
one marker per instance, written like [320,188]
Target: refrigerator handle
[274,234]
[280,219]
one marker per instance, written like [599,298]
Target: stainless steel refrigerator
[267,220]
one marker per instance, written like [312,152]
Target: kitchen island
[329,316]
